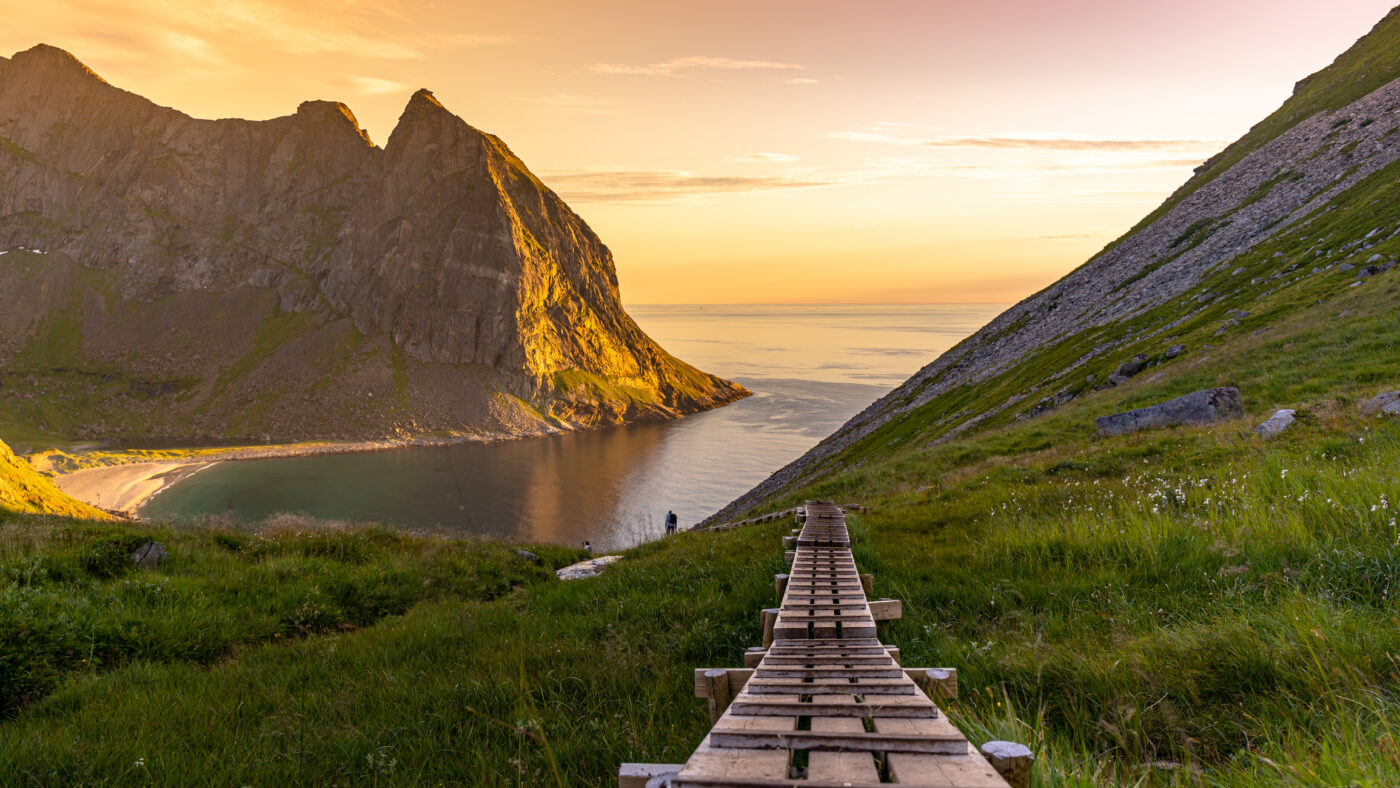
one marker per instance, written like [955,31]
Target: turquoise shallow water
[810,368]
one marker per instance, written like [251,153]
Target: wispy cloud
[569,104]
[674,66]
[801,81]
[373,86]
[894,134]
[874,136]
[766,158]
[1071,144]
[225,34]
[659,186]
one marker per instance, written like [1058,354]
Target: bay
[810,367]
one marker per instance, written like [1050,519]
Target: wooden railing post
[1011,760]
[769,617]
[867,582]
[780,585]
[720,695]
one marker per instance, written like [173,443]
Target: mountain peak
[425,115]
[423,95]
[333,112]
[51,58]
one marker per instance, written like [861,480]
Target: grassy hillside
[1370,63]
[22,490]
[1193,606]
[1182,607]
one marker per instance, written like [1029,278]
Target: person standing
[670,523]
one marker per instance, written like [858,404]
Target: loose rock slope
[1309,192]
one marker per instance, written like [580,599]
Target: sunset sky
[769,150]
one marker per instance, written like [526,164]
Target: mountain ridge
[1175,270]
[435,273]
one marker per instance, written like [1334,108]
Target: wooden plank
[882,706]
[946,744]
[964,771]
[730,722]
[737,782]
[840,766]
[718,763]
[901,686]
[886,609]
[829,672]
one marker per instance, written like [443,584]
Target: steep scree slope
[1306,193]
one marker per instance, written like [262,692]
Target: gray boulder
[1198,407]
[1132,366]
[1174,351]
[1277,423]
[149,555]
[1387,404]
[1346,267]
[528,556]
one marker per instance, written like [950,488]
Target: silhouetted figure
[670,522]
[587,547]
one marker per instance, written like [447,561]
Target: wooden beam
[886,609]
[867,583]
[945,744]
[1011,760]
[738,677]
[754,655]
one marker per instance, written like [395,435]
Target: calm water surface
[810,368]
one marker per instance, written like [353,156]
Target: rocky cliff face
[1309,192]
[287,278]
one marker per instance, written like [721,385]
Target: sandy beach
[123,488]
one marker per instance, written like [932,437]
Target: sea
[809,367]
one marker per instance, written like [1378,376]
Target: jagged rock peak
[423,94]
[335,112]
[425,116]
[51,58]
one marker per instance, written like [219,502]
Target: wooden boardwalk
[825,703]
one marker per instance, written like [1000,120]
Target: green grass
[1179,607]
[24,490]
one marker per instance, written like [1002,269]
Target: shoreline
[123,481]
[122,489]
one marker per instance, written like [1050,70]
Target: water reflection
[810,368]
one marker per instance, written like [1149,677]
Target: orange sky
[769,150]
